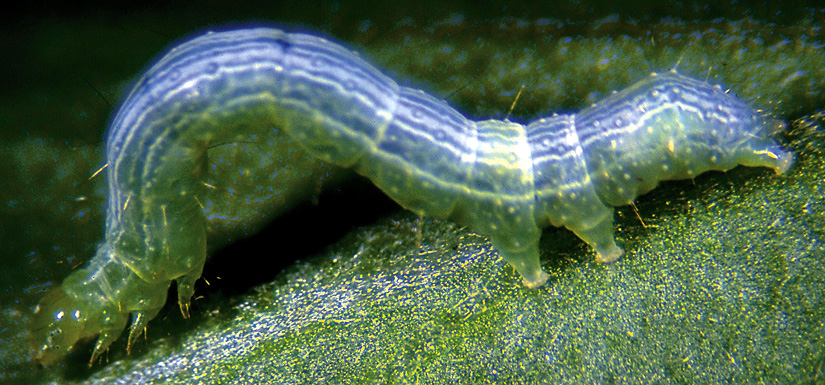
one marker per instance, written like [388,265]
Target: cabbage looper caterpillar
[502,179]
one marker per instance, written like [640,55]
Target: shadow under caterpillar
[502,179]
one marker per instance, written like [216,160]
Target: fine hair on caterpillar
[502,179]
[760,105]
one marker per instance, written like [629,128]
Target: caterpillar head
[61,321]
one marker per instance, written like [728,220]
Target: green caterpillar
[502,179]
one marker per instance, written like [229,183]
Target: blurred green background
[722,281]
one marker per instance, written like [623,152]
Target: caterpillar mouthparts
[502,179]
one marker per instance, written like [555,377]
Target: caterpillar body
[502,179]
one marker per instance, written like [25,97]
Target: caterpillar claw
[186,289]
[140,320]
[105,339]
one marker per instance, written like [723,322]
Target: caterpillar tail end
[784,161]
[767,154]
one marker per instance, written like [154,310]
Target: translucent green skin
[502,179]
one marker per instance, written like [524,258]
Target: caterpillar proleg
[502,179]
